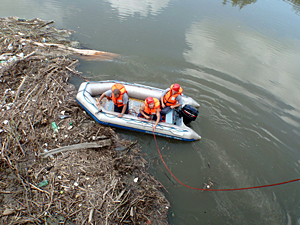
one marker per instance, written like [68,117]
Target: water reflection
[296,5]
[239,3]
[250,58]
[46,10]
[242,3]
[143,8]
[243,74]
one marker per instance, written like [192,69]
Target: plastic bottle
[63,116]
[54,127]
[43,183]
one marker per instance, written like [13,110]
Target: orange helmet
[149,100]
[176,87]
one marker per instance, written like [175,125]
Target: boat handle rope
[211,189]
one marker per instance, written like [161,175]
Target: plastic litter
[43,183]
[122,148]
[63,116]
[54,127]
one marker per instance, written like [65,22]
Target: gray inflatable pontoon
[173,127]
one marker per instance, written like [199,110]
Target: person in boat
[119,96]
[151,110]
[171,98]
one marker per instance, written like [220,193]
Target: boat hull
[86,98]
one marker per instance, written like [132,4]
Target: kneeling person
[119,96]
[151,108]
[171,98]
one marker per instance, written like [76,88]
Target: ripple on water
[263,208]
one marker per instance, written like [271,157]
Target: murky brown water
[239,60]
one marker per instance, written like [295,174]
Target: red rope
[232,189]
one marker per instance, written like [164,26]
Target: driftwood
[97,144]
[110,186]
[82,52]
[20,88]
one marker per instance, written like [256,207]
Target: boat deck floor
[134,108]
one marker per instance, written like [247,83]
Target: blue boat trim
[133,129]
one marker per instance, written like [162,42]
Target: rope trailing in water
[210,189]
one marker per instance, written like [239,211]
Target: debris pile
[56,164]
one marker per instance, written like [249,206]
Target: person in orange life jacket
[151,108]
[171,98]
[119,96]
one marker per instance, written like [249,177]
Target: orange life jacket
[170,99]
[118,101]
[153,110]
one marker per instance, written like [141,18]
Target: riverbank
[99,178]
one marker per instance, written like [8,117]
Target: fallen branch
[36,188]
[97,144]
[78,74]
[20,88]
[82,52]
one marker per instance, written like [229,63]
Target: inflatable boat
[173,125]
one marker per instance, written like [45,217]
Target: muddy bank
[98,179]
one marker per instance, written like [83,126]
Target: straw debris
[77,173]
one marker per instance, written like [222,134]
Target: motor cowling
[189,113]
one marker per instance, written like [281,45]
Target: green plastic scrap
[43,183]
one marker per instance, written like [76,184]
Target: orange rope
[231,189]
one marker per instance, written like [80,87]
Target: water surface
[239,60]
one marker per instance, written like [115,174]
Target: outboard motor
[189,113]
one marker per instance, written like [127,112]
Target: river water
[239,60]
